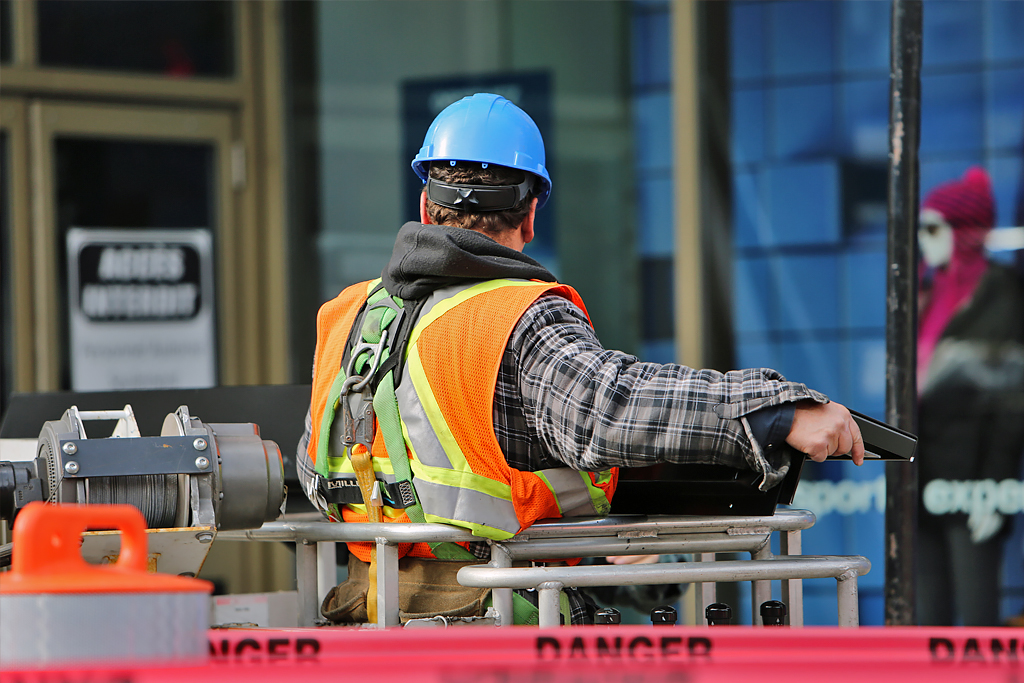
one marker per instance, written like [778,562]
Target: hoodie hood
[428,257]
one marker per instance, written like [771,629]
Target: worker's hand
[631,559]
[824,429]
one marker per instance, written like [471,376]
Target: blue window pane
[804,203]
[655,208]
[801,38]
[748,211]
[756,354]
[1008,187]
[1005,99]
[866,118]
[951,113]
[1012,602]
[1005,27]
[753,303]
[748,114]
[934,173]
[803,121]
[662,351]
[746,39]
[652,63]
[864,36]
[808,291]
[652,119]
[952,33]
[815,363]
[864,528]
[866,363]
[864,286]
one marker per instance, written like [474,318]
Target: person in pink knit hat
[970,370]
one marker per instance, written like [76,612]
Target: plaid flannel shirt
[562,399]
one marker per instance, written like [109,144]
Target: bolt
[199,444]
[664,616]
[69,448]
[204,536]
[71,467]
[202,463]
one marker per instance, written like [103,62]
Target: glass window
[562,62]
[5,31]
[129,184]
[174,39]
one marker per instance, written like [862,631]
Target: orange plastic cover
[47,556]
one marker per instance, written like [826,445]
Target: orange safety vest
[445,401]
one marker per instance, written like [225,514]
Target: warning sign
[140,305]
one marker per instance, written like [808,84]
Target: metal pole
[790,543]
[305,578]
[387,584]
[847,597]
[760,590]
[326,569]
[708,592]
[501,598]
[901,304]
[549,598]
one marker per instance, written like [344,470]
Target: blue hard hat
[487,129]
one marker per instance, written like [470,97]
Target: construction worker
[495,403]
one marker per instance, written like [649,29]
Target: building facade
[718,170]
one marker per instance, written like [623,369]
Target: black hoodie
[428,257]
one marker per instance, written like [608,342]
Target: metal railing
[702,536]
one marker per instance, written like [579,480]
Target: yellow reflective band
[597,496]
[414,369]
[551,488]
[481,530]
[461,474]
[337,463]
[343,465]
[388,512]
[451,302]
[464,479]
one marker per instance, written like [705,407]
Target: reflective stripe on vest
[449,489]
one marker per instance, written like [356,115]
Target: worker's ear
[424,216]
[527,225]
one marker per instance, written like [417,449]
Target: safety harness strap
[374,336]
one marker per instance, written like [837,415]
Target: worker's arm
[594,408]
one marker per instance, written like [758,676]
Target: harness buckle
[356,428]
[358,382]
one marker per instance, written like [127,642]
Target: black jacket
[971,413]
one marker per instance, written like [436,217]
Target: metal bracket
[356,428]
[358,381]
[137,455]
